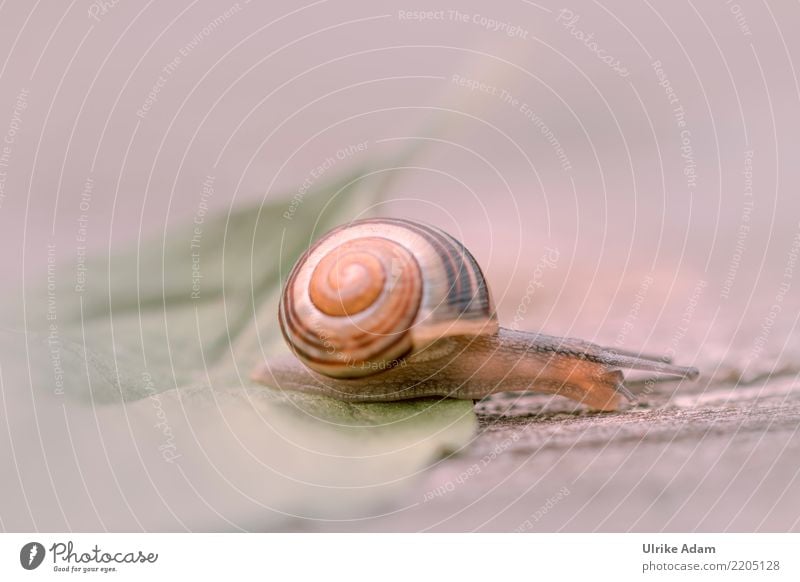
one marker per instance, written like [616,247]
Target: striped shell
[369,293]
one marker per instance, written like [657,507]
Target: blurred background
[624,172]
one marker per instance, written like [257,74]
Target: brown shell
[368,293]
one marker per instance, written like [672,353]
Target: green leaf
[154,361]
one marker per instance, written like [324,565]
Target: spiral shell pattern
[368,293]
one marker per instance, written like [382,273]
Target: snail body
[392,309]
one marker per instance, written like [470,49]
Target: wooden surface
[710,458]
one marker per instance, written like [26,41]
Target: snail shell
[371,292]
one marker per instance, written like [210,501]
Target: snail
[390,309]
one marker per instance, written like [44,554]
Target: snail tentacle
[611,356]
